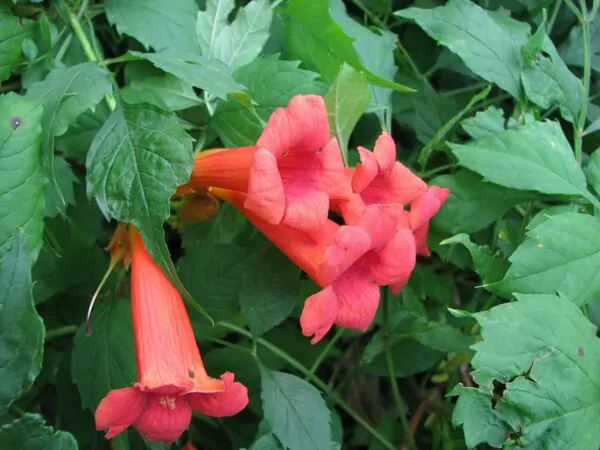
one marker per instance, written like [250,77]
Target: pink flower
[291,172]
[422,209]
[349,263]
[379,179]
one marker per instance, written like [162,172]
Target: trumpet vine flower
[289,175]
[171,378]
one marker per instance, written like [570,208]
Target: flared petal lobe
[168,359]
[119,410]
[222,404]
[165,418]
[301,127]
[421,212]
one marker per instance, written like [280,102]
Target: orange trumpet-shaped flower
[289,175]
[349,263]
[172,380]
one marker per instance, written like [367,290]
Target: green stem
[429,173]
[464,90]
[579,127]
[317,381]
[16,411]
[127,57]
[372,17]
[398,400]
[573,8]
[60,332]
[555,11]
[526,217]
[88,50]
[313,370]
[408,59]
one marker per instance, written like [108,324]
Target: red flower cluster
[289,181]
[172,380]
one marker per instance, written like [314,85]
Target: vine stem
[88,50]
[398,400]
[317,381]
[580,125]
[60,332]
[313,370]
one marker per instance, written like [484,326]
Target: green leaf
[271,83]
[240,42]
[78,138]
[489,267]
[548,82]
[21,180]
[134,165]
[240,362]
[536,157]
[489,45]
[525,354]
[211,75]
[450,124]
[312,36]
[65,179]
[164,91]
[155,25]
[106,359]
[572,51]
[480,422]
[73,263]
[13,33]
[65,94]
[431,111]
[269,291]
[21,329]
[31,433]
[409,356]
[267,442]
[214,273]
[227,227]
[296,411]
[592,171]
[560,255]
[375,51]
[473,204]
[434,335]
[485,123]
[346,101]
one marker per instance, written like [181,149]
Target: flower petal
[167,355]
[333,178]
[319,313]
[223,404]
[358,297]
[119,410]
[379,222]
[421,240]
[306,208]
[349,244]
[395,261]
[366,171]
[422,210]
[302,126]
[165,418]
[385,152]
[266,197]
